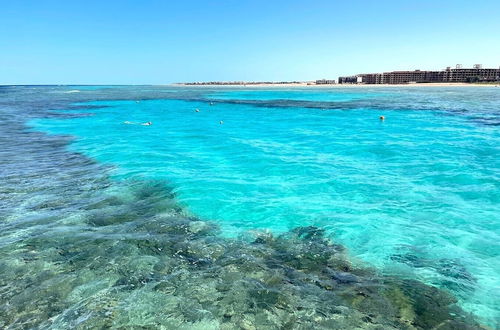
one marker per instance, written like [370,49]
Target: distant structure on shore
[244,83]
[252,83]
[325,82]
[476,74]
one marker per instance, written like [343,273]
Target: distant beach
[313,85]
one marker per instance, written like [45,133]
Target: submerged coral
[136,261]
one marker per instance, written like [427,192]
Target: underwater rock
[341,277]
[426,306]
[403,303]
[309,232]
[455,276]
[408,259]
[455,270]
[261,237]
[197,227]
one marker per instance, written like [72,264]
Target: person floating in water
[197,110]
[221,122]
[382,118]
[143,124]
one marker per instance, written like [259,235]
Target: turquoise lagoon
[415,196]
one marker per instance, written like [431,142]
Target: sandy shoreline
[345,85]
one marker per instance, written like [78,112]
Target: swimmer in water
[197,110]
[382,118]
[147,124]
[221,122]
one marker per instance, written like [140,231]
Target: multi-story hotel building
[325,82]
[475,74]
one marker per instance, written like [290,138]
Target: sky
[160,42]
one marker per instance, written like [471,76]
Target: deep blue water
[413,197]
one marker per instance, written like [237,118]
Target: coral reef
[135,261]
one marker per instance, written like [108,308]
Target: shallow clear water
[415,196]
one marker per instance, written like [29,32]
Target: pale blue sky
[156,42]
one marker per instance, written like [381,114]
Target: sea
[182,207]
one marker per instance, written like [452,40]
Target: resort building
[325,82]
[350,80]
[459,74]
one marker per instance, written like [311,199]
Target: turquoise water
[415,196]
